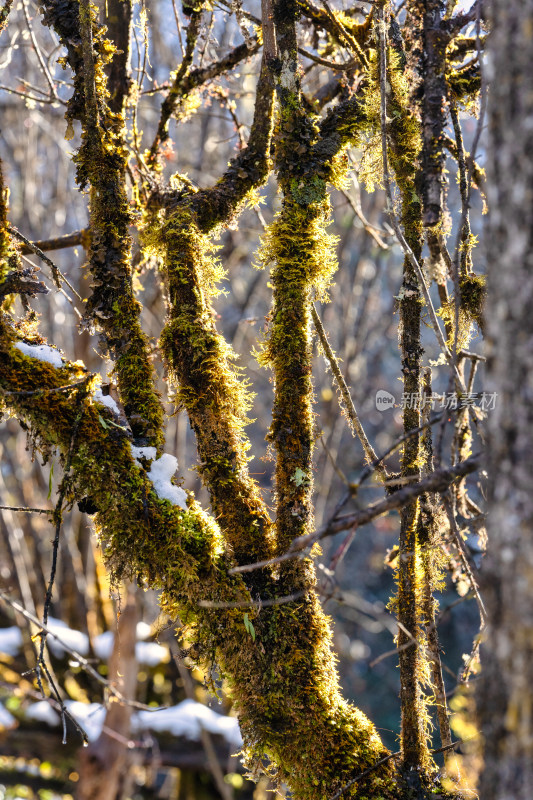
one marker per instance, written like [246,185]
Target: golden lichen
[273,679]
[209,383]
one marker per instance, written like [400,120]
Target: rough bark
[109,754]
[506,695]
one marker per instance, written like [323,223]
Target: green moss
[275,679]
[465,85]
[101,163]
[473,292]
[209,383]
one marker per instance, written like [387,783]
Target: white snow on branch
[140,453]
[151,654]
[74,640]
[144,631]
[10,640]
[187,719]
[103,645]
[106,400]
[7,720]
[91,717]
[42,711]
[41,351]
[161,471]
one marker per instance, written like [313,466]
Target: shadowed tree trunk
[110,755]
[506,693]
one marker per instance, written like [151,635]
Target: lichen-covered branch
[209,385]
[12,276]
[246,172]
[465,83]
[308,157]
[202,75]
[135,524]
[403,161]
[455,24]
[433,155]
[176,90]
[339,25]
[4,14]
[101,160]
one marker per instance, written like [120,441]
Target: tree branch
[438,481]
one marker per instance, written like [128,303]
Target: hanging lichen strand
[101,162]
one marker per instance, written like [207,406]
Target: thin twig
[326,63]
[464,560]
[351,412]
[83,662]
[34,248]
[56,243]
[28,510]
[437,481]
[37,49]
[369,228]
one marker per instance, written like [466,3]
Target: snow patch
[144,631]
[7,720]
[43,352]
[74,640]
[10,641]
[161,471]
[187,719]
[138,453]
[103,645]
[91,717]
[150,654]
[106,400]
[43,712]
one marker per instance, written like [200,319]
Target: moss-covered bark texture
[283,682]
[279,667]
